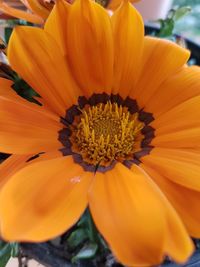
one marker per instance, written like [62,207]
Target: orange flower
[40,9]
[114,4]
[118,130]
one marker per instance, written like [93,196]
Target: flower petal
[179,165]
[90,46]
[7,92]
[43,67]
[114,4]
[128,31]
[184,200]
[178,88]
[183,116]
[138,233]
[56,23]
[27,128]
[20,14]
[52,198]
[38,9]
[180,139]
[10,166]
[157,64]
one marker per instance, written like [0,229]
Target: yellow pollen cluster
[106,132]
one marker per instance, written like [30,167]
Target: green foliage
[77,238]
[11,25]
[181,12]
[7,250]
[23,89]
[167,25]
[84,242]
[7,34]
[86,252]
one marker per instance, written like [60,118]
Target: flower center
[105,132]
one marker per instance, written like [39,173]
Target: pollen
[105,132]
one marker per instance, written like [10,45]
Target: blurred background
[188,26]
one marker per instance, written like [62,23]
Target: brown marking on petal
[87,167]
[147,129]
[95,99]
[146,141]
[131,105]
[143,152]
[82,101]
[63,137]
[66,151]
[145,117]
[106,168]
[150,135]
[116,99]
[129,163]
[71,113]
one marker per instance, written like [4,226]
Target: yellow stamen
[105,132]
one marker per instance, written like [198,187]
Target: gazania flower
[114,4]
[40,9]
[118,130]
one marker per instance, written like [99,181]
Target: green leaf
[8,31]
[23,89]
[167,27]
[181,12]
[87,252]
[14,249]
[76,238]
[5,254]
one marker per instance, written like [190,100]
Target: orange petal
[10,166]
[43,67]
[178,88]
[157,64]
[48,155]
[25,127]
[128,30]
[114,4]
[43,200]
[16,162]
[7,92]
[90,46]
[20,14]
[180,166]
[183,116]
[138,233]
[38,9]
[56,24]
[179,139]
[184,200]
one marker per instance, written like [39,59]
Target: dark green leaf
[87,252]
[76,238]
[23,89]
[167,27]
[8,31]
[14,249]
[5,254]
